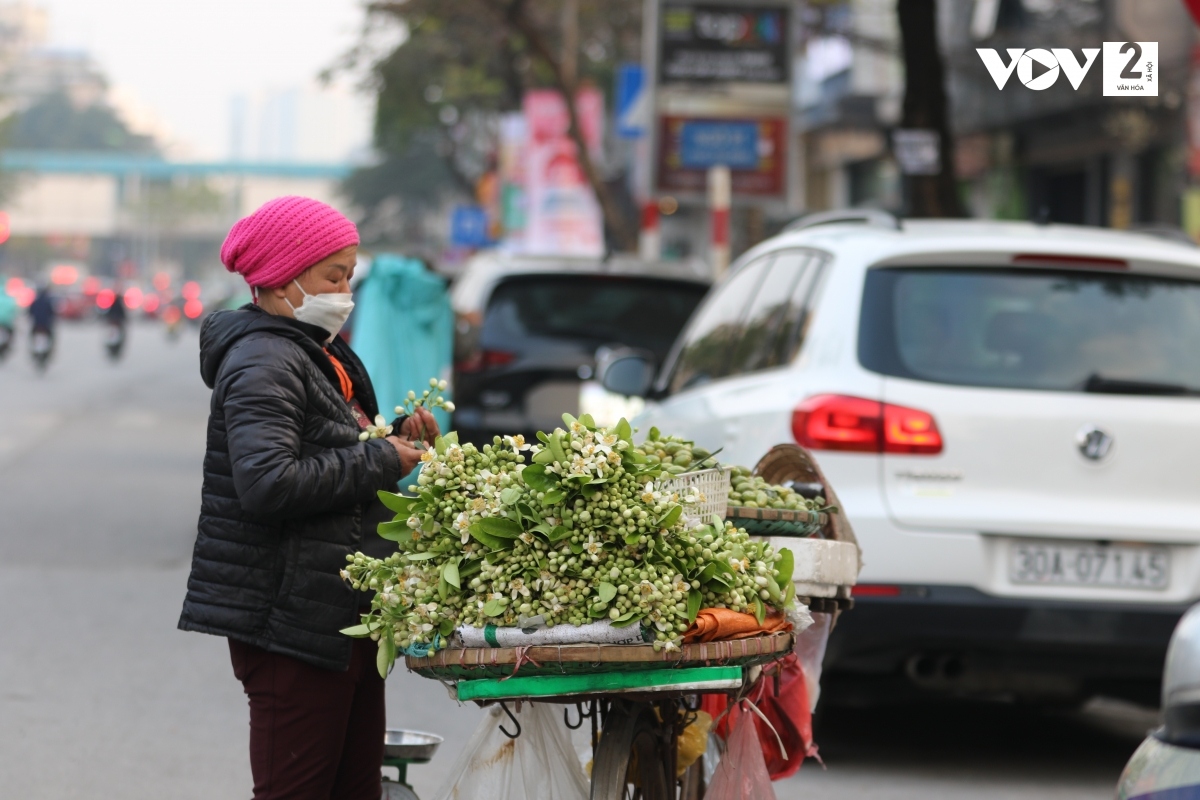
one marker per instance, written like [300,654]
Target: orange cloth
[347,386]
[714,624]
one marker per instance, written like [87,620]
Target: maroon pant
[315,734]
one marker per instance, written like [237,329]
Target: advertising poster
[563,216]
[753,149]
[723,43]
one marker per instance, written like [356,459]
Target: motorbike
[41,347]
[114,341]
[6,337]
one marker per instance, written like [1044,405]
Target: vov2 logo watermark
[1130,68]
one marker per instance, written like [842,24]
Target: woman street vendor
[289,492]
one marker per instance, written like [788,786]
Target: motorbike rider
[42,314]
[115,318]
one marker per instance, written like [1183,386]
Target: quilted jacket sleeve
[265,404]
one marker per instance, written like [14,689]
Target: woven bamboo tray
[777,521]
[500,662]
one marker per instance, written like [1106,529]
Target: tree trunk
[514,16]
[925,106]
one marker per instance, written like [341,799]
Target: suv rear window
[1027,329]
[591,310]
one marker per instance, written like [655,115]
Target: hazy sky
[185,59]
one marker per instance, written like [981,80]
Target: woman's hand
[420,427]
[410,456]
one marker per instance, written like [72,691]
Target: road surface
[100,695]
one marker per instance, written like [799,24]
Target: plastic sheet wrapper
[810,648]
[540,764]
[536,633]
[742,773]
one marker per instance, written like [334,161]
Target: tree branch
[514,16]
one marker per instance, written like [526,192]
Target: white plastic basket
[713,485]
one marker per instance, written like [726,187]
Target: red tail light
[875,590]
[838,422]
[486,359]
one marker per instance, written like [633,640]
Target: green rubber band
[489,634]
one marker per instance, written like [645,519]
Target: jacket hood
[224,328]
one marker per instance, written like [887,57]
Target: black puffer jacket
[288,488]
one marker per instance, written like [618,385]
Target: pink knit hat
[283,238]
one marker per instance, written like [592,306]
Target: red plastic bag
[742,773]
[787,711]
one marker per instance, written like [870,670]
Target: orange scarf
[346,385]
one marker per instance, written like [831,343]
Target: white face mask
[328,311]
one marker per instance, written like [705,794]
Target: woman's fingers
[409,455]
[429,422]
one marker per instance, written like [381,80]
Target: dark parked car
[529,331]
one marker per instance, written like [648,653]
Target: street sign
[706,43]
[755,150]
[916,151]
[712,143]
[469,227]
[632,101]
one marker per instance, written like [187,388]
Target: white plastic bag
[742,771]
[810,647]
[540,764]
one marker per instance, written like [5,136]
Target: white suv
[1010,414]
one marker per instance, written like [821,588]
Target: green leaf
[536,478]
[557,447]
[451,437]
[606,591]
[568,421]
[624,431]
[785,566]
[361,631]
[500,526]
[632,538]
[542,437]
[558,533]
[443,589]
[385,656]
[470,568]
[526,511]
[789,593]
[480,535]
[554,497]
[576,548]
[396,502]
[634,456]
[544,456]
[493,608]
[589,492]
[450,574]
[587,421]
[671,517]
[717,522]
[440,445]
[627,619]
[446,627]
[693,604]
[760,611]
[421,556]
[395,531]
[510,495]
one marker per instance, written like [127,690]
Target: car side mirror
[625,371]
[1181,683]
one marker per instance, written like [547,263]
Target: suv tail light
[855,424]
[485,359]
